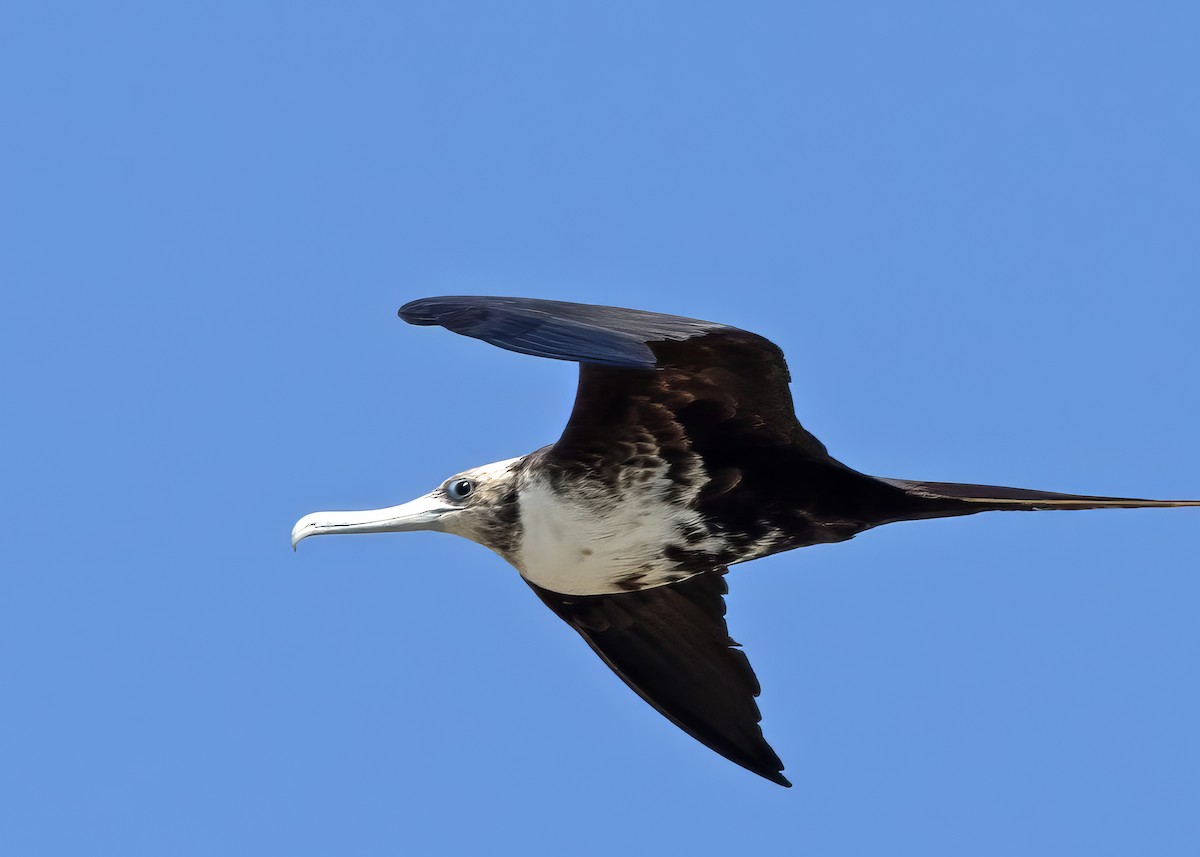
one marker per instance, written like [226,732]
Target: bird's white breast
[583,543]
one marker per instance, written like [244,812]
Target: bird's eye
[459,489]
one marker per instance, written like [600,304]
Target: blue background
[972,229]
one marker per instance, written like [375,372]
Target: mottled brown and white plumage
[682,456]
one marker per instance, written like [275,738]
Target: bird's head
[478,504]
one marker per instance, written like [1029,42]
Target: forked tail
[954,498]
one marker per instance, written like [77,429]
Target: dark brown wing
[671,645]
[695,358]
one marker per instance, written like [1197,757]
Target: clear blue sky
[973,231]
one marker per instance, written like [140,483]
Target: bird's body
[584,537]
[682,457]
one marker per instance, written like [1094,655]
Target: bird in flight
[682,456]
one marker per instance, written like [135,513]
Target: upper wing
[671,645]
[724,380]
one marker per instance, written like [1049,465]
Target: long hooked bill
[424,513]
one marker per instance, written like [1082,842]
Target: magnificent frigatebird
[682,457]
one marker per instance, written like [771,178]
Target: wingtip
[410,312]
[434,311]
